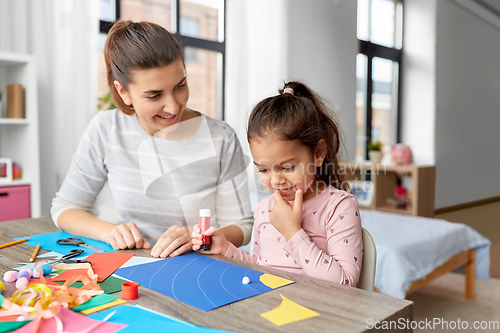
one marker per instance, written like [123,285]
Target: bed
[413,250]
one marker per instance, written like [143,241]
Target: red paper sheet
[8,318]
[48,281]
[103,264]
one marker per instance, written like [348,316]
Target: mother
[151,150]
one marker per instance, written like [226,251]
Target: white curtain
[63,35]
[256,63]
[256,56]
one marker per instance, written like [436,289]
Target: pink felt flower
[400,192]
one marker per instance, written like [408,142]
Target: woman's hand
[287,219]
[218,243]
[126,236]
[173,242]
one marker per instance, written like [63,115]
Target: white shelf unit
[19,139]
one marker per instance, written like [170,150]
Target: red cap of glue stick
[204,225]
[130,290]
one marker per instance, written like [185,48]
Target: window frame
[187,41]
[373,50]
[105,26]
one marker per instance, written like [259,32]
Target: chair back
[367,275]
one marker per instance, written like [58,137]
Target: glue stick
[204,225]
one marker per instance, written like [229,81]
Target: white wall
[467,106]
[321,51]
[418,105]
[451,95]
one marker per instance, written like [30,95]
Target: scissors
[76,242]
[66,258]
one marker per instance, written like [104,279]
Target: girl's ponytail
[298,113]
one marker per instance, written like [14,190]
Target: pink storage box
[14,203]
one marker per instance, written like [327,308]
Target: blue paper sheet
[140,320]
[49,242]
[200,281]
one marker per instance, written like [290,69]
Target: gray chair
[367,276]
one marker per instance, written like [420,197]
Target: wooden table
[341,308]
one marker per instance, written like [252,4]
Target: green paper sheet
[110,285]
[95,301]
[58,271]
[8,326]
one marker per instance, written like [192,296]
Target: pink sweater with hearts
[329,246]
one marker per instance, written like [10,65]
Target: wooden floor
[486,220]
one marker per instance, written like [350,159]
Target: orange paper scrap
[103,264]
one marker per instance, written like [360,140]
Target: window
[198,24]
[190,27]
[380,25]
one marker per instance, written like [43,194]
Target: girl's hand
[126,236]
[173,242]
[218,243]
[287,219]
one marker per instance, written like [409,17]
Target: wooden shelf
[393,209]
[19,137]
[12,121]
[385,177]
[16,182]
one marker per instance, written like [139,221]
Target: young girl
[148,83]
[309,225]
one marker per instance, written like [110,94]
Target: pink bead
[10,276]
[21,283]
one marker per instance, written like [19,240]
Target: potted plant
[105,102]
[374,151]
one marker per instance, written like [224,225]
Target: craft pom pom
[22,283]
[26,270]
[45,268]
[245,280]
[10,276]
[23,274]
[36,274]
[2,287]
